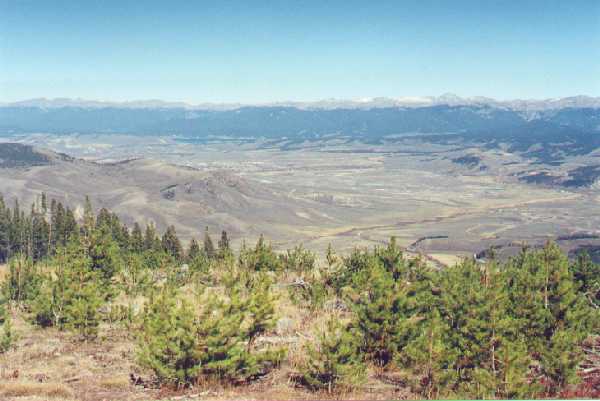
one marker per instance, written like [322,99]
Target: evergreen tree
[224,247]
[57,216]
[587,277]
[55,292]
[8,337]
[391,258]
[83,311]
[44,204]
[553,318]
[225,339]
[382,313]
[171,244]
[194,251]
[330,256]
[334,360]
[134,277]
[23,280]
[104,253]
[299,259]
[15,233]
[69,227]
[168,344]
[104,218]
[4,231]
[209,248]
[72,295]
[137,240]
[151,241]
[40,236]
[513,368]
[430,359]
[89,220]
[261,258]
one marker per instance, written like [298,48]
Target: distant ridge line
[448,99]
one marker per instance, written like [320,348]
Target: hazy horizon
[401,98]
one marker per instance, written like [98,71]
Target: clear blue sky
[251,51]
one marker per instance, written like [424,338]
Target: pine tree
[137,240]
[299,259]
[44,204]
[4,231]
[553,318]
[228,326]
[465,306]
[223,342]
[430,359]
[261,258]
[71,296]
[194,251]
[8,337]
[56,225]
[382,313]
[587,276]
[391,258]
[70,229]
[104,253]
[89,220]
[334,360]
[513,368]
[23,280]
[134,277]
[260,307]
[104,217]
[40,235]
[151,241]
[83,311]
[224,247]
[171,244]
[209,248]
[168,342]
[55,293]
[15,233]
[330,256]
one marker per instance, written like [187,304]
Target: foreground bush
[183,347]
[334,360]
[168,343]
[7,336]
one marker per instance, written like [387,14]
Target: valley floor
[330,192]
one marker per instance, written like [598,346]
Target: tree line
[499,329]
[48,228]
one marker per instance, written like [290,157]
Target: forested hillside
[203,318]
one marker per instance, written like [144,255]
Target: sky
[265,51]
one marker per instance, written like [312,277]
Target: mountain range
[448,99]
[557,127]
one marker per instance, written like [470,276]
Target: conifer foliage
[168,344]
[334,360]
[182,346]
[511,329]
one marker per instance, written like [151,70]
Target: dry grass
[49,364]
[446,258]
[114,383]
[32,389]
[3,271]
